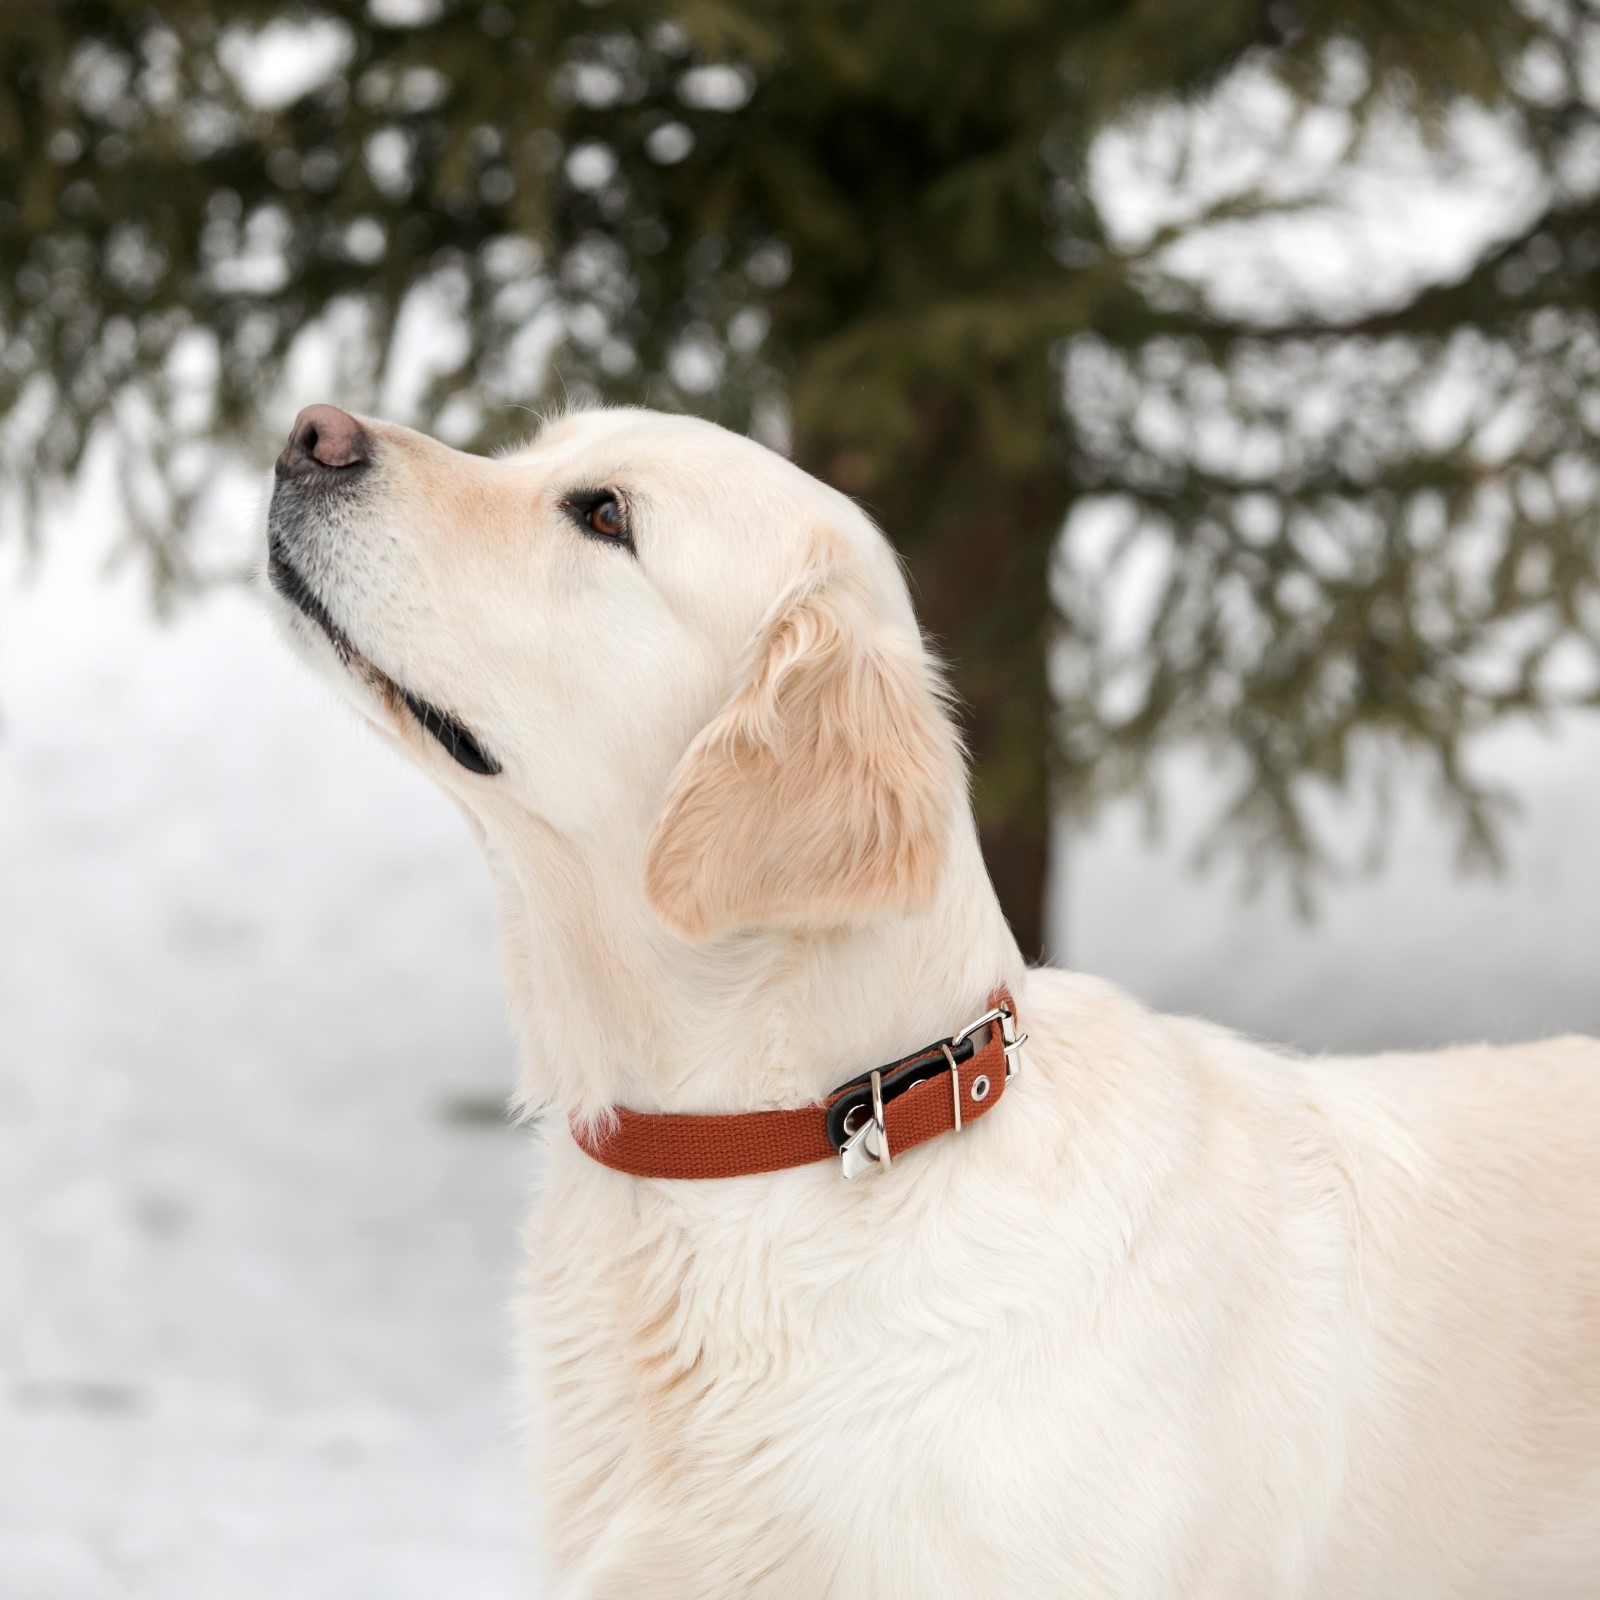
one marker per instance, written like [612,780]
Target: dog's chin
[347,672]
[319,640]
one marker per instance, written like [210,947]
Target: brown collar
[869,1121]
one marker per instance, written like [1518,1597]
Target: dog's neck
[611,1009]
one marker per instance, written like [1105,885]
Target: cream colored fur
[1184,1318]
[821,793]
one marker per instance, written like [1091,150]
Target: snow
[260,1238]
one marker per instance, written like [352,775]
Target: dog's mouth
[448,731]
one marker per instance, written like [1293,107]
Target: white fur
[1184,1317]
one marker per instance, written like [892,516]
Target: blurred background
[1226,373]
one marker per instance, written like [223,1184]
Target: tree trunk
[1006,711]
[985,598]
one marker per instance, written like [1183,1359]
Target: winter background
[260,1206]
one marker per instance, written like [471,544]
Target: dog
[1180,1316]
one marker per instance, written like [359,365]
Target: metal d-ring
[866,1137]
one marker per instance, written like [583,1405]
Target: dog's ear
[821,794]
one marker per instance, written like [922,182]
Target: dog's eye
[602,513]
[606,518]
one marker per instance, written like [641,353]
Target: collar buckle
[866,1131]
[1011,1042]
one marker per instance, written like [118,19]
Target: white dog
[1178,1317]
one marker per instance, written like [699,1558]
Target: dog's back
[1479,1416]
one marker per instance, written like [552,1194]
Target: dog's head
[658,641]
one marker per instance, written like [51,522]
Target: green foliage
[867,226]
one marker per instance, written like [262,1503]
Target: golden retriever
[1183,1317]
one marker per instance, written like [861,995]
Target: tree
[866,229]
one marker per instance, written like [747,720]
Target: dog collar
[868,1122]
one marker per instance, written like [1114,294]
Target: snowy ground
[256,1251]
[258,1239]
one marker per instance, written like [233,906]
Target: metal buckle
[1011,1042]
[867,1145]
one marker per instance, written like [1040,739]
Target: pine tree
[866,228]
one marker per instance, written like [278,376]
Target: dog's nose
[324,439]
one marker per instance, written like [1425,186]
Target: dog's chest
[759,1405]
